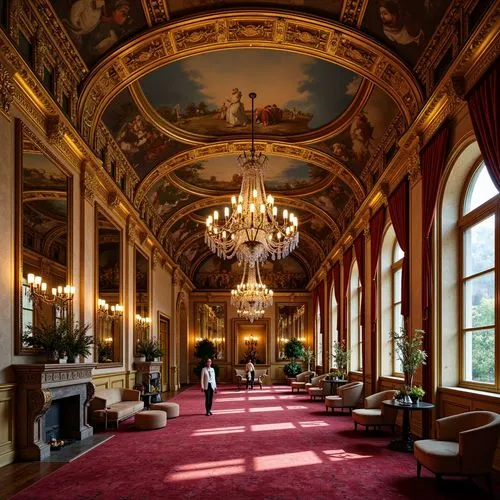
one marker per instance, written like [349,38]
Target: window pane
[479,246]
[397,322]
[398,253]
[480,356]
[397,285]
[479,301]
[481,189]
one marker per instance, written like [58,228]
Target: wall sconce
[302,339]
[142,324]
[282,340]
[251,341]
[39,294]
[105,312]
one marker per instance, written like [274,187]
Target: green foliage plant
[292,369]
[149,348]
[417,392]
[294,349]
[77,342]
[104,352]
[409,351]
[205,349]
[341,356]
[308,357]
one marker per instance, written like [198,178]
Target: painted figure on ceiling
[399,25]
[235,115]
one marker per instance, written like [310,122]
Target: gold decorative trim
[156,11]
[353,12]
[90,183]
[313,156]
[6,89]
[229,29]
[323,133]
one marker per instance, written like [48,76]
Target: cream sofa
[241,377]
[114,405]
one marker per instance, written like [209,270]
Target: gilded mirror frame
[21,133]
[100,209]
[224,340]
[277,348]
[138,250]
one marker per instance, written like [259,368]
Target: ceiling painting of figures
[356,145]
[165,198]
[141,142]
[208,94]
[280,174]
[285,274]
[98,26]
[405,25]
[333,199]
[329,8]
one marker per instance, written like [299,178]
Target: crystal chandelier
[251,297]
[251,230]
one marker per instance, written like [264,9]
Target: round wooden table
[406,443]
[332,385]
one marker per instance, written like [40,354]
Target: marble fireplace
[69,387]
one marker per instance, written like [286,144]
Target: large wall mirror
[109,310]
[43,223]
[251,340]
[142,325]
[291,322]
[210,323]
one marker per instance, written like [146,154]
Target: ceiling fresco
[405,25]
[208,94]
[281,175]
[335,91]
[285,274]
[330,8]
[143,144]
[97,26]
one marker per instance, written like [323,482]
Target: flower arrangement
[416,393]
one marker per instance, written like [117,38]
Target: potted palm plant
[150,349]
[48,337]
[76,342]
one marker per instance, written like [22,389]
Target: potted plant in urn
[150,349]
[410,353]
[50,338]
[341,357]
[76,342]
[294,349]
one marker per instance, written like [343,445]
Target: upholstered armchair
[375,414]
[465,445]
[347,397]
[315,388]
[301,380]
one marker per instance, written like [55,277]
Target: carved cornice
[53,375]
[6,89]
[353,12]
[54,130]
[156,11]
[232,29]
[113,199]
[158,261]
[90,184]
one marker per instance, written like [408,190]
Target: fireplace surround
[40,384]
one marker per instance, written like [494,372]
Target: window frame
[396,265]
[334,333]
[359,337]
[465,222]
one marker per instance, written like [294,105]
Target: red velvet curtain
[347,260]
[399,212]
[484,109]
[376,232]
[359,249]
[336,288]
[321,300]
[432,162]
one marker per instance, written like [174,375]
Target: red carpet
[258,445]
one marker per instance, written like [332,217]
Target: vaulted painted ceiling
[336,87]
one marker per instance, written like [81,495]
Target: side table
[406,443]
[331,386]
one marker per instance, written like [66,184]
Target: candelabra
[59,296]
[251,342]
[105,312]
[142,325]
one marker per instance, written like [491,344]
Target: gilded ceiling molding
[6,89]
[331,129]
[353,12]
[221,200]
[293,32]
[156,11]
[55,130]
[50,238]
[157,261]
[89,183]
[36,195]
[313,156]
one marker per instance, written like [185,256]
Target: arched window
[319,337]
[390,319]
[478,234]
[355,339]
[334,337]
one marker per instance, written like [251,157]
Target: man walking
[208,385]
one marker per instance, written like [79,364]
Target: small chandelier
[251,231]
[251,296]
[107,313]
[39,294]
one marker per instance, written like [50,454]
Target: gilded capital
[6,89]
